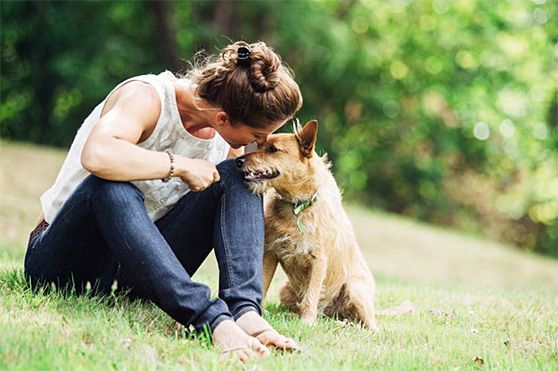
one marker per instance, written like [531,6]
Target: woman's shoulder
[148,86]
[135,94]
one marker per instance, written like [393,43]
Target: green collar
[302,205]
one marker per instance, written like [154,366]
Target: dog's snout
[240,161]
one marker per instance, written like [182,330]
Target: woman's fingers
[198,174]
[203,184]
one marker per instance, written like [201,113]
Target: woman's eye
[272,149]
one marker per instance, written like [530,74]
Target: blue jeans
[103,233]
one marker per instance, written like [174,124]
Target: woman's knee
[231,176]
[111,191]
[228,168]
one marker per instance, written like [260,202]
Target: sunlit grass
[479,303]
[453,327]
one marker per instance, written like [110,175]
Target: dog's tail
[405,307]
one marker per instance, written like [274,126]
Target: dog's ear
[307,138]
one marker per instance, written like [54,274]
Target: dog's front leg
[309,304]
[270,262]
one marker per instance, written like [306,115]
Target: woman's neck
[194,113]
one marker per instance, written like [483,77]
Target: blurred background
[443,111]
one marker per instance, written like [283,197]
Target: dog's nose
[240,161]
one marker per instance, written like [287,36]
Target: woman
[145,194]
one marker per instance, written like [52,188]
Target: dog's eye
[272,149]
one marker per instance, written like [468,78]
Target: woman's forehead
[268,130]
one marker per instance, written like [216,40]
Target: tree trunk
[163,13]
[225,19]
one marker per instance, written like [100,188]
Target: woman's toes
[253,324]
[234,341]
[267,337]
[249,355]
[290,343]
[259,348]
[242,356]
[273,338]
[253,351]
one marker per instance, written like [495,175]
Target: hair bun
[243,57]
[248,82]
[263,69]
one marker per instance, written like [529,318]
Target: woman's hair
[257,92]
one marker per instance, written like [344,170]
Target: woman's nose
[261,140]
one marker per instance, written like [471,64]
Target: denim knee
[230,172]
[118,194]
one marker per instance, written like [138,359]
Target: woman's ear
[222,119]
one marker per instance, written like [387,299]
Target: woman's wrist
[172,167]
[181,166]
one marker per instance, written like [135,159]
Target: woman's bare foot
[256,326]
[231,339]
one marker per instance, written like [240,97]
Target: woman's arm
[130,115]
[110,151]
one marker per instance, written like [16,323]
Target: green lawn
[479,304]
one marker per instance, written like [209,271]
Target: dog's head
[283,162]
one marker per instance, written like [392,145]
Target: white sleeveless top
[169,134]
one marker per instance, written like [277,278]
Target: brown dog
[307,230]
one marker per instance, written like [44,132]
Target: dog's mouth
[259,175]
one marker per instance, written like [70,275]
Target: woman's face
[240,134]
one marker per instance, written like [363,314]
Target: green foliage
[445,111]
[59,59]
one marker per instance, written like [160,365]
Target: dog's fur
[325,268]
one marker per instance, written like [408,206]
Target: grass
[480,304]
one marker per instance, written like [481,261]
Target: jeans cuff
[220,318]
[215,314]
[245,309]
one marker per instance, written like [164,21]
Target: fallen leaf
[479,361]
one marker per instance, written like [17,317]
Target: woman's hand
[197,174]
